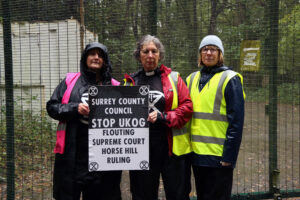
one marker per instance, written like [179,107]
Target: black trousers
[213,183]
[175,172]
[106,187]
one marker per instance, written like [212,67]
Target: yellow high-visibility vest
[126,83]
[209,123]
[181,138]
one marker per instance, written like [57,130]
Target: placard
[118,128]
[250,55]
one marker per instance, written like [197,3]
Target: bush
[287,93]
[33,142]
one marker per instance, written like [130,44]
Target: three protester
[198,125]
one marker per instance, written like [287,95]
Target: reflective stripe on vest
[177,132]
[173,77]
[207,139]
[192,76]
[208,128]
[181,139]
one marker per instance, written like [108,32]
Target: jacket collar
[215,69]
[164,71]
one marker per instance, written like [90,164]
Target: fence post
[9,96]
[81,25]
[273,42]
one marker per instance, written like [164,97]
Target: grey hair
[146,39]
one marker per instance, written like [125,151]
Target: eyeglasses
[212,50]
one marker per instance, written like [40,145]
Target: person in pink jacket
[71,175]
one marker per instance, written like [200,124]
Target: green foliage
[34,142]
[289,42]
[33,133]
[112,21]
[257,94]
[180,25]
[288,93]
[33,10]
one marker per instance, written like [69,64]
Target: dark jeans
[213,183]
[175,172]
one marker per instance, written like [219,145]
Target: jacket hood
[105,70]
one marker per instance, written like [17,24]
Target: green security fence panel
[42,40]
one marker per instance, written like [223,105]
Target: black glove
[161,118]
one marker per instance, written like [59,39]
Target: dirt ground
[251,174]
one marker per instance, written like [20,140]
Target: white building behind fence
[43,52]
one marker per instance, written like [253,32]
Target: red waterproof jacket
[183,113]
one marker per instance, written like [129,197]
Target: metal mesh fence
[261,40]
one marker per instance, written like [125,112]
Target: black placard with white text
[118,128]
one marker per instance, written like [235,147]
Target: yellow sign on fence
[250,55]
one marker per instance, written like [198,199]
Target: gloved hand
[156,116]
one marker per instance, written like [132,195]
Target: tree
[216,9]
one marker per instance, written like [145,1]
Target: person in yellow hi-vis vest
[217,123]
[170,108]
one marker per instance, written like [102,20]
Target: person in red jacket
[175,170]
